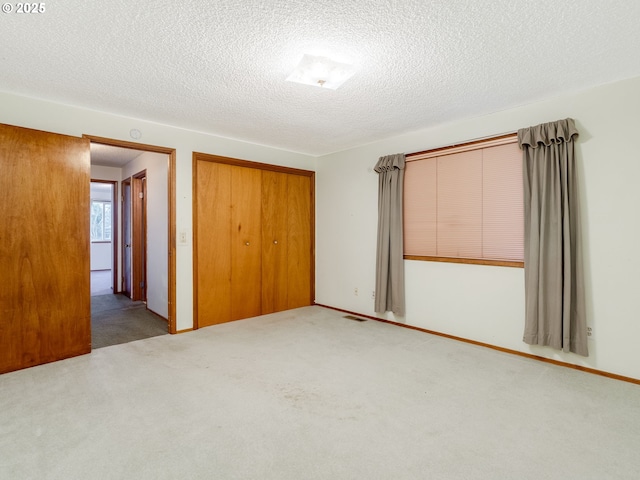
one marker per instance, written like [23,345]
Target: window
[465,203]
[100,221]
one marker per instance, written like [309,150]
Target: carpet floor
[115,319]
[307,394]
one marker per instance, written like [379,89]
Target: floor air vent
[357,319]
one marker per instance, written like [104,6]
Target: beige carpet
[307,394]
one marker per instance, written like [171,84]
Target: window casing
[465,204]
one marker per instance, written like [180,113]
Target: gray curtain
[389,258]
[554,286]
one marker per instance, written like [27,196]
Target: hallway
[115,319]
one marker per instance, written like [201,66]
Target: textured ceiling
[220,67]
[110,156]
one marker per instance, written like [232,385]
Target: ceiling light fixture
[321,72]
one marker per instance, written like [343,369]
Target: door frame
[115,227]
[171,176]
[126,237]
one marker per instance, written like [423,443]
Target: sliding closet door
[274,242]
[299,253]
[213,242]
[253,242]
[246,234]
[44,247]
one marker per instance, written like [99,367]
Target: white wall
[476,302]
[70,120]
[101,256]
[156,166]
[486,303]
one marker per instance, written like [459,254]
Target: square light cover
[321,72]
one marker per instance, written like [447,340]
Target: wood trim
[186,330]
[172,211]
[313,238]
[172,242]
[126,144]
[463,147]
[126,183]
[194,237]
[249,164]
[472,261]
[115,226]
[559,363]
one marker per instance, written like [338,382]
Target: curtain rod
[497,138]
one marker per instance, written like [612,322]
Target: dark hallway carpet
[115,319]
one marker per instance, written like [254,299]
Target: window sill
[473,261]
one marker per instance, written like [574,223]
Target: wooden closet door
[274,242]
[299,212]
[213,243]
[44,247]
[246,251]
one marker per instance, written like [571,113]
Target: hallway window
[100,221]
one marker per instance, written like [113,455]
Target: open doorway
[142,180]
[103,235]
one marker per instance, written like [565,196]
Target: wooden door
[299,241]
[139,236]
[253,239]
[246,234]
[44,247]
[274,242]
[212,221]
[126,237]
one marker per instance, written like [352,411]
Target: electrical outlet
[355,291]
[182,237]
[590,333]
[373,295]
